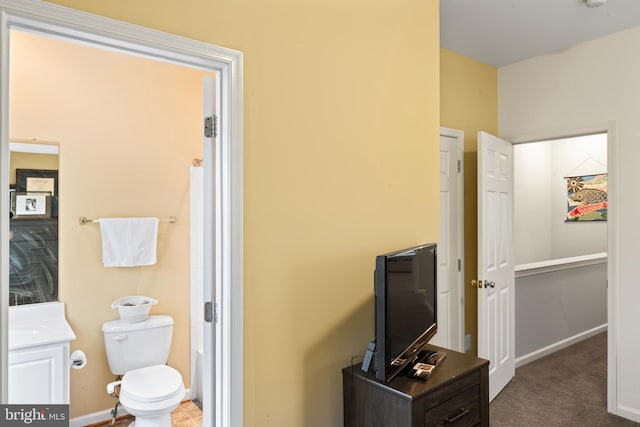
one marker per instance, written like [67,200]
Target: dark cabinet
[33,260]
[456,394]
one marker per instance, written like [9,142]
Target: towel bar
[84,220]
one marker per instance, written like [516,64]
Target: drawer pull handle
[452,419]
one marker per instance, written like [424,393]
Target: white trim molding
[60,22]
[534,268]
[539,354]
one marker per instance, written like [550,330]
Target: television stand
[455,394]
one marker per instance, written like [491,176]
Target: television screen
[406,315]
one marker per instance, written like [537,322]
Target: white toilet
[149,390]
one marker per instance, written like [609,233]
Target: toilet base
[162,421]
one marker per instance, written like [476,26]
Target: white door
[495,260]
[209,357]
[451,244]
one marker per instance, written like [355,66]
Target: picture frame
[33,205]
[587,198]
[12,199]
[39,181]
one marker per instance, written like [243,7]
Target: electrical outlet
[467,343]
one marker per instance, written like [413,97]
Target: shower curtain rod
[84,220]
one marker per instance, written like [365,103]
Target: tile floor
[186,415]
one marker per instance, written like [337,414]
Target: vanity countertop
[38,324]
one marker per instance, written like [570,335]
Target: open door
[451,244]
[209,254]
[495,282]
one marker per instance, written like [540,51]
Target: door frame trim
[62,22]
[459,136]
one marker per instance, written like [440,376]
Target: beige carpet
[565,389]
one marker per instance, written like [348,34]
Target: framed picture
[587,198]
[12,199]
[39,181]
[33,205]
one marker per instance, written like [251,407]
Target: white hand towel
[129,242]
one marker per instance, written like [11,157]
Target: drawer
[35,236]
[460,411]
[454,388]
[34,229]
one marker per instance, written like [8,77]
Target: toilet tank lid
[154,321]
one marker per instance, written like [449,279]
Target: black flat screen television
[405,287]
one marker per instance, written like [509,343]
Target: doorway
[225,265]
[611,205]
[560,243]
[122,148]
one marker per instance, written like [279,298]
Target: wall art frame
[39,181]
[586,198]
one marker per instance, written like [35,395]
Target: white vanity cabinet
[36,374]
[39,354]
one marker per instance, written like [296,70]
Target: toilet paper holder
[78,359]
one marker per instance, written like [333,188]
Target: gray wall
[553,307]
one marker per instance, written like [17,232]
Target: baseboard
[538,354]
[628,413]
[102,416]
[95,418]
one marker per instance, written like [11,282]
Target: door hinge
[459,265]
[211,312]
[459,166]
[211,127]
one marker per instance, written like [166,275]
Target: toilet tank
[137,345]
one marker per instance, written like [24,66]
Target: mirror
[33,245]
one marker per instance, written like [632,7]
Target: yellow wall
[341,114]
[128,129]
[469,102]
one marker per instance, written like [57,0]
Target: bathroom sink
[27,331]
[38,324]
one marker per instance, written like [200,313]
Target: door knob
[489,284]
[476,283]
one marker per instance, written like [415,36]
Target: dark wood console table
[455,394]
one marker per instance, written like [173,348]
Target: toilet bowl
[150,394]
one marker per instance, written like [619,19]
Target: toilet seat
[152,384]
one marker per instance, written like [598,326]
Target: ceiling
[502,32]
